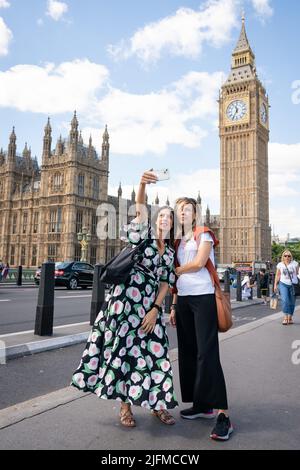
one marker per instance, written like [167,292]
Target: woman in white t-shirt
[286,276]
[194,313]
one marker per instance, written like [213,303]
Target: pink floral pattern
[120,361]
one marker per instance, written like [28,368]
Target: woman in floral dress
[126,356]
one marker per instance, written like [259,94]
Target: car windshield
[61,265]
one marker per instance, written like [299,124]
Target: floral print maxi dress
[120,361]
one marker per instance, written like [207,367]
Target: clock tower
[245,233]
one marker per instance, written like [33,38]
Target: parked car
[71,274]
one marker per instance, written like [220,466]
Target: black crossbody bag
[117,270]
[296,287]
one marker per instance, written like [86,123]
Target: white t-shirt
[285,277]
[197,283]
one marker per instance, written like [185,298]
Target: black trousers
[200,371]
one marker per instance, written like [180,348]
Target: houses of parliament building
[43,208]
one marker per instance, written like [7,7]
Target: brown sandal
[164,416]
[126,418]
[290,321]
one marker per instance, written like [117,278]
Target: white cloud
[178,114]
[5,37]
[263,8]
[284,158]
[285,219]
[183,33]
[4,4]
[181,113]
[56,9]
[51,89]
[284,164]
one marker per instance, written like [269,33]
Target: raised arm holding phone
[126,356]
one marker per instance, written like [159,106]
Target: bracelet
[156,306]
[173,306]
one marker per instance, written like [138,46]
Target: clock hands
[236,110]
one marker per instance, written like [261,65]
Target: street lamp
[84,238]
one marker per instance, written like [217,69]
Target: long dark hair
[170,240]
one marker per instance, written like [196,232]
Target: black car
[71,274]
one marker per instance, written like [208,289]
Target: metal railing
[12,277]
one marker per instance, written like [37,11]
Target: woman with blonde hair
[286,276]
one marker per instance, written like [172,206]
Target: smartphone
[162,174]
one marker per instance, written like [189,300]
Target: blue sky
[151,71]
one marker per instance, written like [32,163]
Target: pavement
[14,345]
[261,363]
[12,285]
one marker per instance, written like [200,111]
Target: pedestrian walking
[5,271]
[1,269]
[126,357]
[264,285]
[194,313]
[286,275]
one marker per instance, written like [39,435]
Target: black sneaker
[222,429]
[191,413]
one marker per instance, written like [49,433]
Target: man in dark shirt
[264,284]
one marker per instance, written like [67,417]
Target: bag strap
[209,264]
[213,273]
[289,274]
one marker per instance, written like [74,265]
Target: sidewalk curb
[20,350]
[14,286]
[42,404]
[237,305]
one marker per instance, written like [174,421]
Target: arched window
[96,187]
[56,181]
[81,184]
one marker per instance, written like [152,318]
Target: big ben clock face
[236,110]
[263,113]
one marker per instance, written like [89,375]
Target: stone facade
[43,208]
[245,233]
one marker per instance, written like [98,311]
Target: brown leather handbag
[222,300]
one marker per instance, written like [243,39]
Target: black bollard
[258,286]
[98,294]
[19,276]
[227,281]
[239,286]
[45,306]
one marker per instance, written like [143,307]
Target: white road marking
[5,300]
[72,297]
[55,328]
